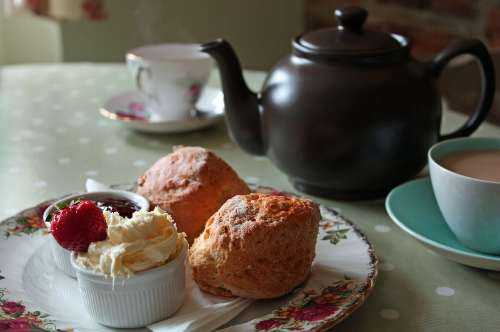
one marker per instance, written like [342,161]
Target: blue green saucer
[414,209]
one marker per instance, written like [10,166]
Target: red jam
[125,208]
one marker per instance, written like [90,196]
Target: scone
[256,246]
[190,184]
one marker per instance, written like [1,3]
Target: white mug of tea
[170,77]
[465,176]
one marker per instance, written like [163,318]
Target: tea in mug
[479,164]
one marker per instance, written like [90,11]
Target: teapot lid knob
[351,17]
[349,40]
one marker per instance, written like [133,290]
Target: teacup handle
[477,49]
[138,80]
[138,76]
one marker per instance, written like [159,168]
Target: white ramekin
[62,257]
[144,298]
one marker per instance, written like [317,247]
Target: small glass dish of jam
[123,202]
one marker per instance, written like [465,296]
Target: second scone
[256,246]
[190,184]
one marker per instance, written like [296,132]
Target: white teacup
[470,206]
[171,78]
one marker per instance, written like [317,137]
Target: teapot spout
[242,106]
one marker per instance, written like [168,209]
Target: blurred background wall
[2,49]
[28,38]
[431,24]
[260,30]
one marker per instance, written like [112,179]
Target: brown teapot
[349,114]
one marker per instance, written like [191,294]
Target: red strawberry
[77,225]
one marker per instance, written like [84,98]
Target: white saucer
[129,108]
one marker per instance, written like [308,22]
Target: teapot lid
[349,38]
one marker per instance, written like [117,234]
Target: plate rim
[424,239]
[371,278]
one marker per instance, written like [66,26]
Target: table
[52,138]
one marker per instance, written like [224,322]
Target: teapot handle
[477,49]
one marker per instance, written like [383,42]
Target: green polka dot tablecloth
[52,138]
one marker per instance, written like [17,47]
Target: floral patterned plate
[129,109]
[36,296]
